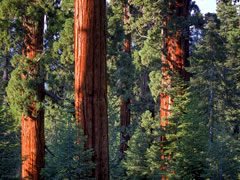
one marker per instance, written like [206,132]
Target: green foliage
[116,170]
[214,82]
[202,137]
[9,146]
[9,140]
[117,61]
[155,86]
[22,88]
[66,156]
[191,136]
[143,158]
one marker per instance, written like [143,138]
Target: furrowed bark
[33,144]
[124,104]
[90,80]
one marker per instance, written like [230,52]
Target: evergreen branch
[146,37]
[56,98]
[48,150]
[43,53]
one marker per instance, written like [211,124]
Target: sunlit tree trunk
[176,51]
[124,103]
[33,144]
[90,80]
[175,56]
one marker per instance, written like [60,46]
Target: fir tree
[211,79]
[229,31]
[66,157]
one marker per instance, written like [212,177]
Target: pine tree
[185,136]
[90,80]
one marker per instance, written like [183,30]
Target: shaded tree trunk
[124,103]
[5,75]
[211,113]
[176,51]
[146,96]
[33,144]
[90,80]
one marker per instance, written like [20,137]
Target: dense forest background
[194,135]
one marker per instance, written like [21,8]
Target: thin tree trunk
[5,76]
[175,58]
[33,144]
[124,103]
[146,97]
[90,80]
[211,114]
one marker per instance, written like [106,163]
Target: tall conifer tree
[33,145]
[175,53]
[25,89]
[90,80]
[125,101]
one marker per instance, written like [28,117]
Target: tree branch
[54,97]
[48,150]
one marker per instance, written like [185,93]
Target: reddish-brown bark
[175,57]
[90,80]
[33,144]
[124,104]
[124,123]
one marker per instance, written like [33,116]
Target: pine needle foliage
[10,160]
[66,156]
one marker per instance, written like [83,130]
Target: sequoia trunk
[176,49]
[175,56]
[90,80]
[124,103]
[33,144]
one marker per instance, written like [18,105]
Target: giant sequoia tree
[33,146]
[25,89]
[90,79]
[175,53]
